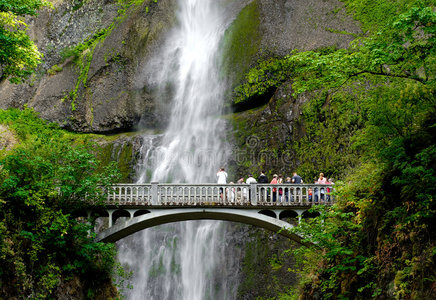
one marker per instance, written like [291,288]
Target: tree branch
[421,80]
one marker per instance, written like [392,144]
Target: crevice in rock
[254,102]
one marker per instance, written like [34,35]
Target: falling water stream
[185,260]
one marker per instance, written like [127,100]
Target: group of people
[278,179]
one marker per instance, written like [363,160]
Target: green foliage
[23,7]
[25,122]
[270,73]
[404,49]
[373,15]
[370,120]
[53,70]
[266,75]
[338,81]
[377,241]
[44,183]
[19,56]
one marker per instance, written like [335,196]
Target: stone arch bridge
[134,207]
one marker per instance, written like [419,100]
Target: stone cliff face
[91,78]
[87,81]
[263,133]
[266,28]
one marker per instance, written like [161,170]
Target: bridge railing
[157,194]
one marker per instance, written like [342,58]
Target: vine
[83,53]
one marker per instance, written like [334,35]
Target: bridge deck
[217,195]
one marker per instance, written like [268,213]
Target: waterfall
[185,260]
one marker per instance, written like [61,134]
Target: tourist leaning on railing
[250,180]
[321,180]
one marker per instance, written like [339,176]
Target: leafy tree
[403,49]
[19,56]
[45,182]
[378,240]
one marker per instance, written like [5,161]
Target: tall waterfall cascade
[185,260]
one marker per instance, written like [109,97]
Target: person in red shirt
[310,194]
[321,180]
[274,190]
[329,189]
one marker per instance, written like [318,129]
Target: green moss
[78,4]
[83,52]
[124,161]
[53,70]
[258,146]
[374,15]
[105,154]
[242,41]
[118,148]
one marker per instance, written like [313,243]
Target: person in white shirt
[249,180]
[222,179]
[222,176]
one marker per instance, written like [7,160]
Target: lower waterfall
[189,260]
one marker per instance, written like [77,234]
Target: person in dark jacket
[262,178]
[296,178]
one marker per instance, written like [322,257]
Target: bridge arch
[288,214]
[307,214]
[120,213]
[268,213]
[163,216]
[140,212]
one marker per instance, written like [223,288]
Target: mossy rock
[122,149]
[241,42]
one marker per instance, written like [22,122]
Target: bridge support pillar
[131,213]
[154,193]
[110,212]
[300,214]
[253,194]
[88,214]
[277,212]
